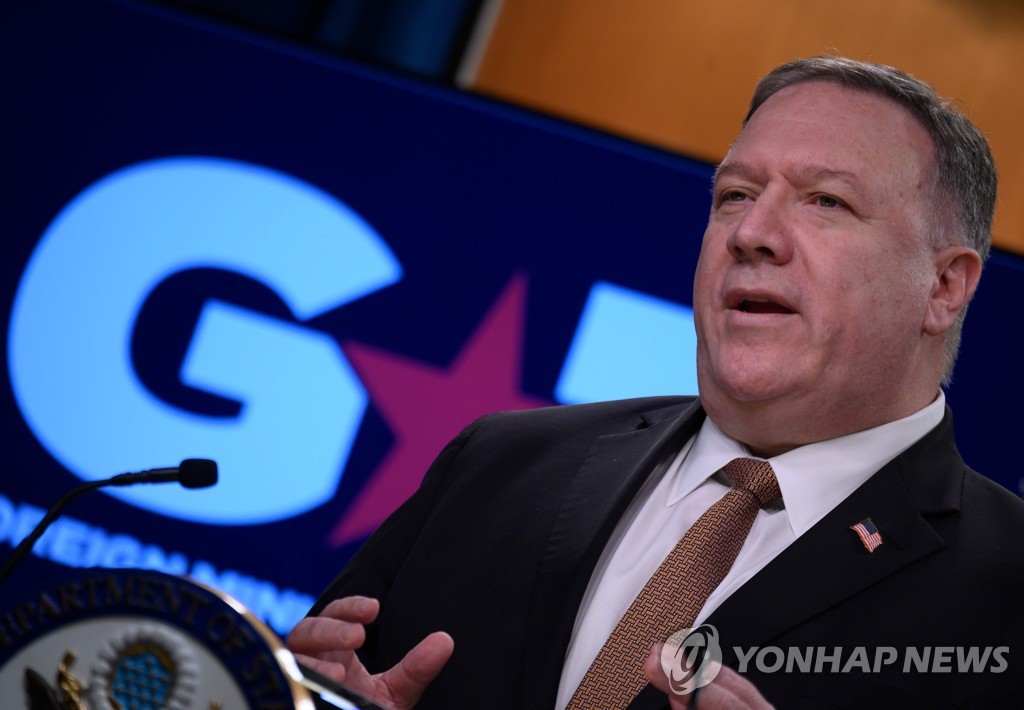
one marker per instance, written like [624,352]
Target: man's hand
[327,644]
[728,691]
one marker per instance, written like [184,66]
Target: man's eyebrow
[807,174]
[732,168]
[819,174]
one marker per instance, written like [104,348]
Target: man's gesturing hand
[327,644]
[728,691]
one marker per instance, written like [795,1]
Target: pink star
[425,406]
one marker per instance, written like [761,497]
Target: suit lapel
[829,563]
[820,569]
[612,473]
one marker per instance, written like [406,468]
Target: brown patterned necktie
[678,589]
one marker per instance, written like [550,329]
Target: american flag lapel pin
[868,534]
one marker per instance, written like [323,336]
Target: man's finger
[334,671]
[362,610]
[731,691]
[728,691]
[318,635]
[410,677]
[656,675]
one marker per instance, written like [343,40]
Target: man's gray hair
[965,194]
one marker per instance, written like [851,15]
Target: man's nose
[764,233]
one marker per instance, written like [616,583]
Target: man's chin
[762,385]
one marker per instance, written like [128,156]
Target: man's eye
[733,196]
[828,201]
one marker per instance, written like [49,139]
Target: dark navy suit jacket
[498,545]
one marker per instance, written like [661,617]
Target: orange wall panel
[678,73]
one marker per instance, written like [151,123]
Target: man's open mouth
[753,305]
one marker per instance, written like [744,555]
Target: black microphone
[192,473]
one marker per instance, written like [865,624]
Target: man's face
[815,269]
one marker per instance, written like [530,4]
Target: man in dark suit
[849,225]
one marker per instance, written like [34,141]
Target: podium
[106,639]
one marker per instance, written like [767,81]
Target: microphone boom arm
[37,532]
[192,473]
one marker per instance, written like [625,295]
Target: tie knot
[756,476]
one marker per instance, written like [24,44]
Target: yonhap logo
[691,658]
[90,275]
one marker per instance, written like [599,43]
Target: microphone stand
[26,544]
[192,473]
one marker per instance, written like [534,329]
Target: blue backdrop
[316,273]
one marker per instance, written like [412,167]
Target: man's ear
[957,272]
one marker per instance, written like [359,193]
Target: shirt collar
[814,478]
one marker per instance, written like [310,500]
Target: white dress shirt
[814,479]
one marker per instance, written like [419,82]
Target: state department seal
[142,640]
